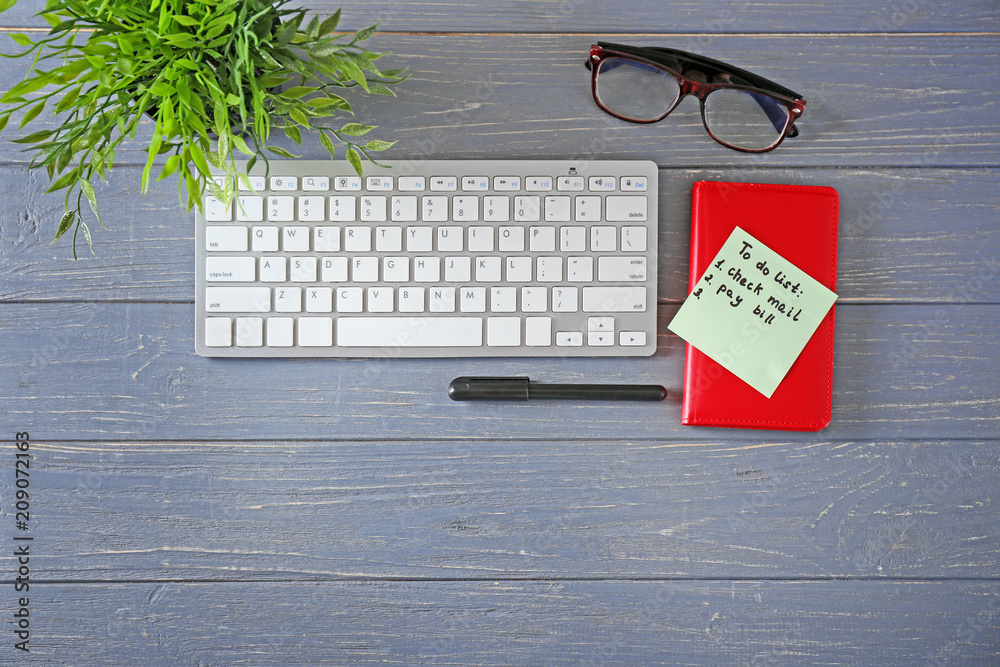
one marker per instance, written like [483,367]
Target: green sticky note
[752,312]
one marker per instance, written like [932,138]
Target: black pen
[522,389]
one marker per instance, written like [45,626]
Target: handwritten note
[752,312]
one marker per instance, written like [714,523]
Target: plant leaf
[88,192]
[356,129]
[278,150]
[354,158]
[379,145]
[329,24]
[64,224]
[32,113]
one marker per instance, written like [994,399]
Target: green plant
[217,76]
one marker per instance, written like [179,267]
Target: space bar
[409,331]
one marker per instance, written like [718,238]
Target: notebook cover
[800,223]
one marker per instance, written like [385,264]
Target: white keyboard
[464,258]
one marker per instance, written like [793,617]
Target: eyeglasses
[739,109]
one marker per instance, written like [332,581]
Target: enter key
[621,269]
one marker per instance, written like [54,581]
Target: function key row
[442,183]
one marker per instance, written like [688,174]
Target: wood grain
[694,21]
[521,623]
[496,509]
[873,101]
[900,372]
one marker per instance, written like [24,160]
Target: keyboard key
[488,269]
[564,299]
[315,331]
[557,209]
[334,270]
[265,239]
[411,299]
[633,239]
[295,239]
[358,239]
[326,239]
[601,184]
[542,239]
[534,299]
[548,269]
[380,300]
[569,183]
[444,183]
[600,339]
[588,209]
[395,269]
[273,269]
[342,208]
[449,239]
[311,208]
[621,269]
[216,211]
[411,183]
[279,331]
[475,183]
[518,269]
[388,239]
[457,269]
[238,299]
[249,331]
[347,183]
[288,299]
[364,269]
[472,299]
[443,300]
[625,208]
[511,239]
[231,269]
[632,338]
[250,208]
[373,209]
[614,299]
[503,331]
[379,183]
[281,209]
[303,269]
[419,239]
[465,209]
[434,209]
[569,338]
[506,183]
[404,209]
[579,269]
[603,238]
[316,183]
[319,300]
[218,331]
[527,208]
[253,184]
[632,184]
[410,332]
[350,299]
[538,331]
[480,239]
[573,239]
[503,299]
[600,324]
[284,183]
[537,183]
[496,209]
[220,238]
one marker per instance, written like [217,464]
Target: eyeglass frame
[662,58]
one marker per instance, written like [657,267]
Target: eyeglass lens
[641,92]
[635,90]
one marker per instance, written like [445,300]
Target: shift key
[237,299]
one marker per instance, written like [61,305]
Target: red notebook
[799,223]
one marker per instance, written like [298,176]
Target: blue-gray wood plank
[197,511]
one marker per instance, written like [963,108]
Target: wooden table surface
[204,512]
